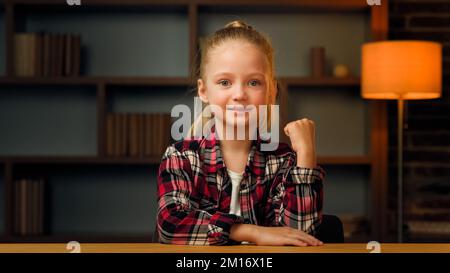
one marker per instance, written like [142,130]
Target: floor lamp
[401,70]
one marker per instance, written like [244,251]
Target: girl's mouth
[236,108]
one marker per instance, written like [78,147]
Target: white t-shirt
[236,178]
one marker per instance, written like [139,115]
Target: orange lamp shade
[401,70]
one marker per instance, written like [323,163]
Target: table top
[163,248]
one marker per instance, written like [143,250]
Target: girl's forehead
[237,54]
[235,46]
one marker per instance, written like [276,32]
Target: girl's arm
[272,235]
[179,219]
[297,194]
[297,197]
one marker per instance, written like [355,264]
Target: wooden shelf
[311,4]
[80,238]
[119,81]
[106,3]
[82,160]
[429,237]
[165,81]
[325,81]
[326,160]
[344,160]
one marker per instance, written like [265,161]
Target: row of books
[29,206]
[47,55]
[137,134]
[418,212]
[439,228]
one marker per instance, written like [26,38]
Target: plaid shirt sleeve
[300,194]
[179,219]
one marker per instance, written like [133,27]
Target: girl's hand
[303,141]
[284,236]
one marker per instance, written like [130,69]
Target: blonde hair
[236,30]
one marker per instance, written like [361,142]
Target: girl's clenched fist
[303,141]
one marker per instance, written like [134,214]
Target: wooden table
[160,248]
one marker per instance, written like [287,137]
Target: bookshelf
[96,81]
[128,83]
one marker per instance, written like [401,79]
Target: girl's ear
[202,90]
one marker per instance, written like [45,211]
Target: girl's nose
[239,93]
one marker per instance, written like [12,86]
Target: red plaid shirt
[194,192]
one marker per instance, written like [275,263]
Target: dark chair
[331,230]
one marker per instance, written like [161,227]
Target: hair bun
[238,24]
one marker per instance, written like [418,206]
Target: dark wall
[427,127]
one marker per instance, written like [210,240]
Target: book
[24,54]
[16,208]
[165,132]
[29,206]
[141,139]
[133,135]
[148,136]
[40,207]
[23,207]
[110,134]
[59,54]
[53,56]
[124,134]
[33,206]
[37,54]
[31,47]
[76,55]
[46,55]
[154,136]
[117,134]
[441,228]
[167,135]
[157,131]
[68,55]
[137,134]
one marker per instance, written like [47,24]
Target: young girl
[215,192]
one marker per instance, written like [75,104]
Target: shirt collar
[211,154]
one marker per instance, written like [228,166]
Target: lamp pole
[400,170]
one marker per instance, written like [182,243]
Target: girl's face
[235,77]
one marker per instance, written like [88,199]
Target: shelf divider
[101,120]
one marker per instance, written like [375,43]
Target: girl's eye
[255,82]
[224,82]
